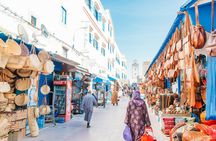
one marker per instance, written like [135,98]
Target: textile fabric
[137,118]
[211,91]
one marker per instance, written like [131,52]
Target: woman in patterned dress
[137,117]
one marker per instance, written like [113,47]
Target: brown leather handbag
[198,36]
[211,43]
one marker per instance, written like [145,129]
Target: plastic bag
[127,134]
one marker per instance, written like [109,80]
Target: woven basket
[3,60]
[36,112]
[10,96]
[4,126]
[34,130]
[44,109]
[5,78]
[23,84]
[9,73]
[3,102]
[24,73]
[21,100]
[24,50]
[2,46]
[43,56]
[12,48]
[45,89]
[16,62]
[4,87]
[48,67]
[33,63]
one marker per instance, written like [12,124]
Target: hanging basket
[23,84]
[43,56]
[3,60]
[21,100]
[12,48]
[10,96]
[48,67]
[3,102]
[4,87]
[5,78]
[16,62]
[45,89]
[8,73]
[44,109]
[24,50]
[33,63]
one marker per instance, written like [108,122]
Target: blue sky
[141,25]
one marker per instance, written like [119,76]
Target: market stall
[180,80]
[21,64]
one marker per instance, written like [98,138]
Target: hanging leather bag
[211,43]
[198,36]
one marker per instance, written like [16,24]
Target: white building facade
[80,30]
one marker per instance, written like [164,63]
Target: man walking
[87,105]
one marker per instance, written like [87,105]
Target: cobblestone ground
[107,125]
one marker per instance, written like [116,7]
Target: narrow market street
[107,125]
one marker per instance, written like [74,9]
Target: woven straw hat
[8,73]
[21,99]
[43,56]
[23,84]
[3,102]
[24,73]
[10,96]
[24,49]
[45,89]
[4,87]
[12,48]
[33,63]
[44,109]
[3,60]
[16,62]
[5,78]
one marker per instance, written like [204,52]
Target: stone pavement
[107,125]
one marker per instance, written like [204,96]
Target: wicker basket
[3,60]
[16,62]
[33,63]
[48,67]
[4,87]
[4,138]
[8,73]
[4,126]
[43,56]
[44,109]
[17,125]
[12,48]
[24,50]
[45,89]
[21,100]
[23,84]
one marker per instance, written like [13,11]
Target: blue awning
[111,78]
[204,18]
[108,82]
[98,79]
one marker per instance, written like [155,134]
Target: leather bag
[198,36]
[211,43]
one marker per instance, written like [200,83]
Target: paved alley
[107,125]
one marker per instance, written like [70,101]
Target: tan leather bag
[211,43]
[198,36]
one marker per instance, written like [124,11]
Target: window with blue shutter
[103,26]
[90,38]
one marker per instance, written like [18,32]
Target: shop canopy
[99,80]
[111,78]
[204,18]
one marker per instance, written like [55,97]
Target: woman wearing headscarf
[137,117]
